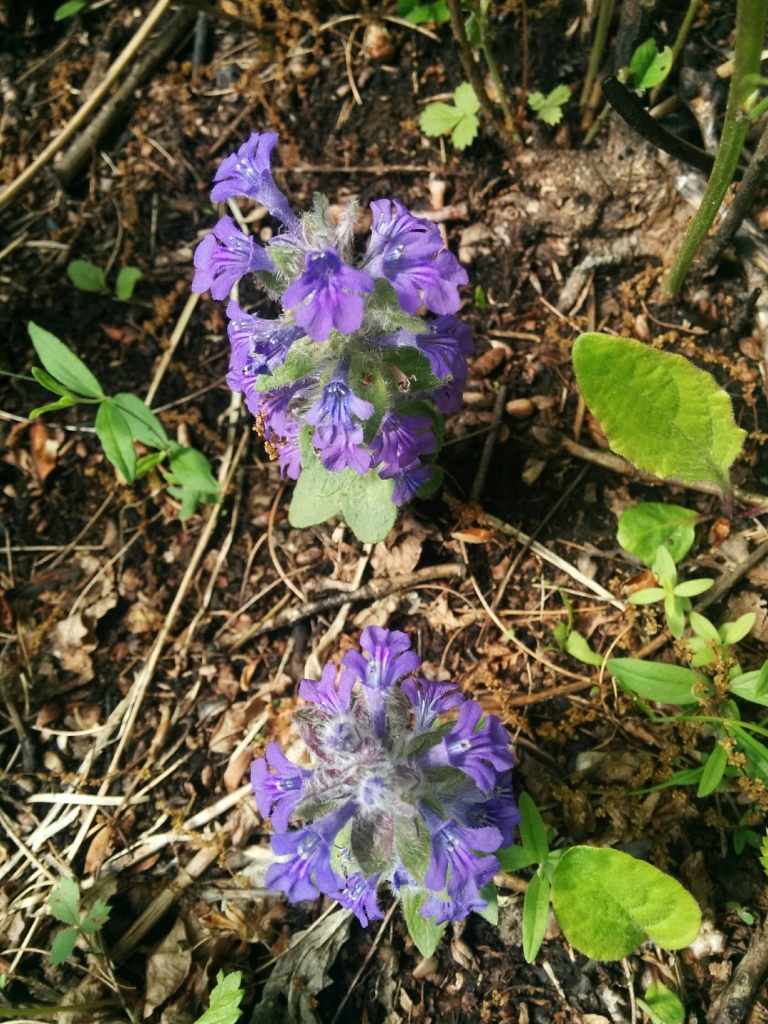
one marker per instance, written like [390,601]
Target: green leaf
[657,409]
[116,439]
[647,526]
[661,1005]
[465,98]
[301,359]
[607,903]
[692,588]
[147,462]
[491,912]
[702,627]
[752,686]
[533,832]
[144,424]
[309,505]
[96,917]
[576,645]
[714,769]
[86,276]
[515,858]
[417,12]
[63,945]
[465,132]
[65,902]
[667,684]
[63,403]
[367,508]
[424,931]
[127,280]
[410,370]
[439,119]
[50,384]
[66,11]
[549,108]
[191,469]
[648,66]
[62,364]
[535,915]
[225,1000]
[733,632]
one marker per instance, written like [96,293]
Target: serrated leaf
[367,507]
[67,10]
[535,915]
[647,526]
[533,832]
[465,132]
[86,276]
[649,67]
[657,409]
[96,918]
[439,119]
[63,365]
[63,945]
[652,680]
[64,902]
[126,282]
[607,903]
[225,999]
[144,424]
[549,108]
[116,439]
[662,1005]
[714,770]
[424,931]
[465,99]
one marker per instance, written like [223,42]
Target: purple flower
[276,421]
[446,343]
[359,895]
[324,694]
[247,173]
[430,700]
[278,791]
[451,910]
[309,865]
[451,849]
[391,658]
[399,443]
[449,396]
[408,251]
[338,435]
[477,754]
[258,345]
[406,484]
[330,291]
[220,267]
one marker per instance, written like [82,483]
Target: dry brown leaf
[43,448]
[142,617]
[67,642]
[234,723]
[236,769]
[167,967]
[101,846]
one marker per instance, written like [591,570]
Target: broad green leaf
[714,770]
[576,645]
[465,132]
[86,276]
[491,912]
[63,945]
[752,685]
[116,439]
[657,409]
[535,915]
[733,632]
[465,98]
[65,902]
[191,468]
[607,903]
[127,280]
[439,119]
[653,680]
[225,1000]
[692,588]
[424,931]
[533,832]
[63,403]
[418,13]
[662,1005]
[515,858]
[144,424]
[367,508]
[650,595]
[62,364]
[702,627]
[66,11]
[50,384]
[309,506]
[550,108]
[647,526]
[649,67]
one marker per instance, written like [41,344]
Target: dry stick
[178,332]
[735,1001]
[82,115]
[490,444]
[373,590]
[71,163]
[740,207]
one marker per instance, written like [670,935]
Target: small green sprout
[65,906]
[89,277]
[676,596]
[549,108]
[457,120]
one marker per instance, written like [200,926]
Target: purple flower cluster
[397,794]
[348,360]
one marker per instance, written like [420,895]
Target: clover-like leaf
[657,409]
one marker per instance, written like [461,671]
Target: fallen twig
[735,1001]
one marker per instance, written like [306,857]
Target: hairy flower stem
[748,44]
[506,132]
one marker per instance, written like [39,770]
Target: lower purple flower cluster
[348,359]
[397,794]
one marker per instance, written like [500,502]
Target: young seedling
[65,906]
[457,120]
[225,999]
[676,596]
[89,277]
[549,108]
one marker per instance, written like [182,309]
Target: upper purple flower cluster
[355,363]
[396,795]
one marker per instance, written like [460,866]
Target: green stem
[679,43]
[604,16]
[748,44]
[494,70]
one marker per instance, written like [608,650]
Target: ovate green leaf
[366,505]
[191,469]
[66,10]
[65,902]
[515,858]
[146,427]
[309,506]
[607,903]
[653,680]
[63,945]
[491,912]
[116,438]
[63,365]
[127,280]
[714,770]
[657,409]
[662,1005]
[646,526]
[424,931]
[649,67]
[86,276]
[533,832]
